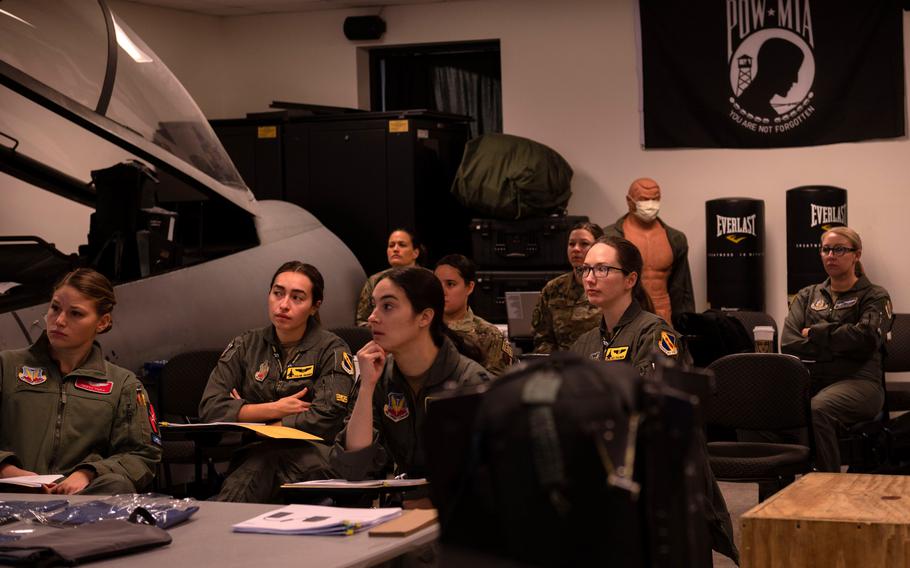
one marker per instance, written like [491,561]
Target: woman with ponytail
[65,409]
[413,356]
[629,331]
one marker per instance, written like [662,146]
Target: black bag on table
[84,543]
[572,462]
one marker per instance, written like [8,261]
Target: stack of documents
[365,484]
[31,481]
[316,520]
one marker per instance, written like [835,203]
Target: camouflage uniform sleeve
[216,404]
[497,350]
[542,322]
[365,303]
[333,387]
[135,443]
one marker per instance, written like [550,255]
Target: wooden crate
[831,520]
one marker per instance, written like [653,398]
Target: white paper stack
[316,520]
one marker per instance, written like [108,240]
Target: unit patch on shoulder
[32,375]
[346,364]
[299,372]
[397,408]
[841,304]
[616,353]
[100,387]
[262,373]
[819,305]
[667,344]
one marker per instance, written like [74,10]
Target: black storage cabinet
[362,174]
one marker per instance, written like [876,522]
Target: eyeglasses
[600,270]
[836,251]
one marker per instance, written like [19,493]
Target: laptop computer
[519,310]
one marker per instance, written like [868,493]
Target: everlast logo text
[822,214]
[738,225]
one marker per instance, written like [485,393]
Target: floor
[740,497]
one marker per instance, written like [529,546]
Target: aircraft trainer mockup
[89,113]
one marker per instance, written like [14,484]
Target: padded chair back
[752,319]
[759,391]
[183,380]
[355,336]
[897,350]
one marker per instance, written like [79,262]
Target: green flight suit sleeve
[856,340]
[216,404]
[331,398]
[658,342]
[792,341]
[363,463]
[6,455]
[133,453]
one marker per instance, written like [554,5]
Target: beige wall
[570,81]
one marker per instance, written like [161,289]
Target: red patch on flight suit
[100,387]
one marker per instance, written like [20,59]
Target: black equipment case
[489,297]
[538,243]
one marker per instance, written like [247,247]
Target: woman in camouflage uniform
[563,312]
[404,249]
[457,273]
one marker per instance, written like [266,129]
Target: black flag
[771,73]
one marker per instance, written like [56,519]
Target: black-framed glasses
[838,250]
[600,270]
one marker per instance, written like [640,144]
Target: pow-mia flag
[770,73]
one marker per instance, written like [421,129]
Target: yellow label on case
[398,126]
[267,132]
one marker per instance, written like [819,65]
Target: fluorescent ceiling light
[128,46]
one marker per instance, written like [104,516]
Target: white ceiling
[250,7]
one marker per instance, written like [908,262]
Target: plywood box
[831,520]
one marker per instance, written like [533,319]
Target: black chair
[182,382]
[897,360]
[869,444]
[760,393]
[355,336]
[752,319]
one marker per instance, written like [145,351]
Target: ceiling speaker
[363,27]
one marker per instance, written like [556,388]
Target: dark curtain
[459,82]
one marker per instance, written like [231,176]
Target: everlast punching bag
[811,210]
[735,242]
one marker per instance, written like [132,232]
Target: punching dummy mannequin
[665,275]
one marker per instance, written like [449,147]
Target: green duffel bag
[509,177]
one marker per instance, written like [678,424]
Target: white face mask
[647,210]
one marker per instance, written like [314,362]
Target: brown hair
[630,261]
[592,228]
[853,237]
[310,272]
[94,286]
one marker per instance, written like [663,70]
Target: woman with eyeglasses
[629,330]
[563,312]
[837,327]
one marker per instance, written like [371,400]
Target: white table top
[207,540]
